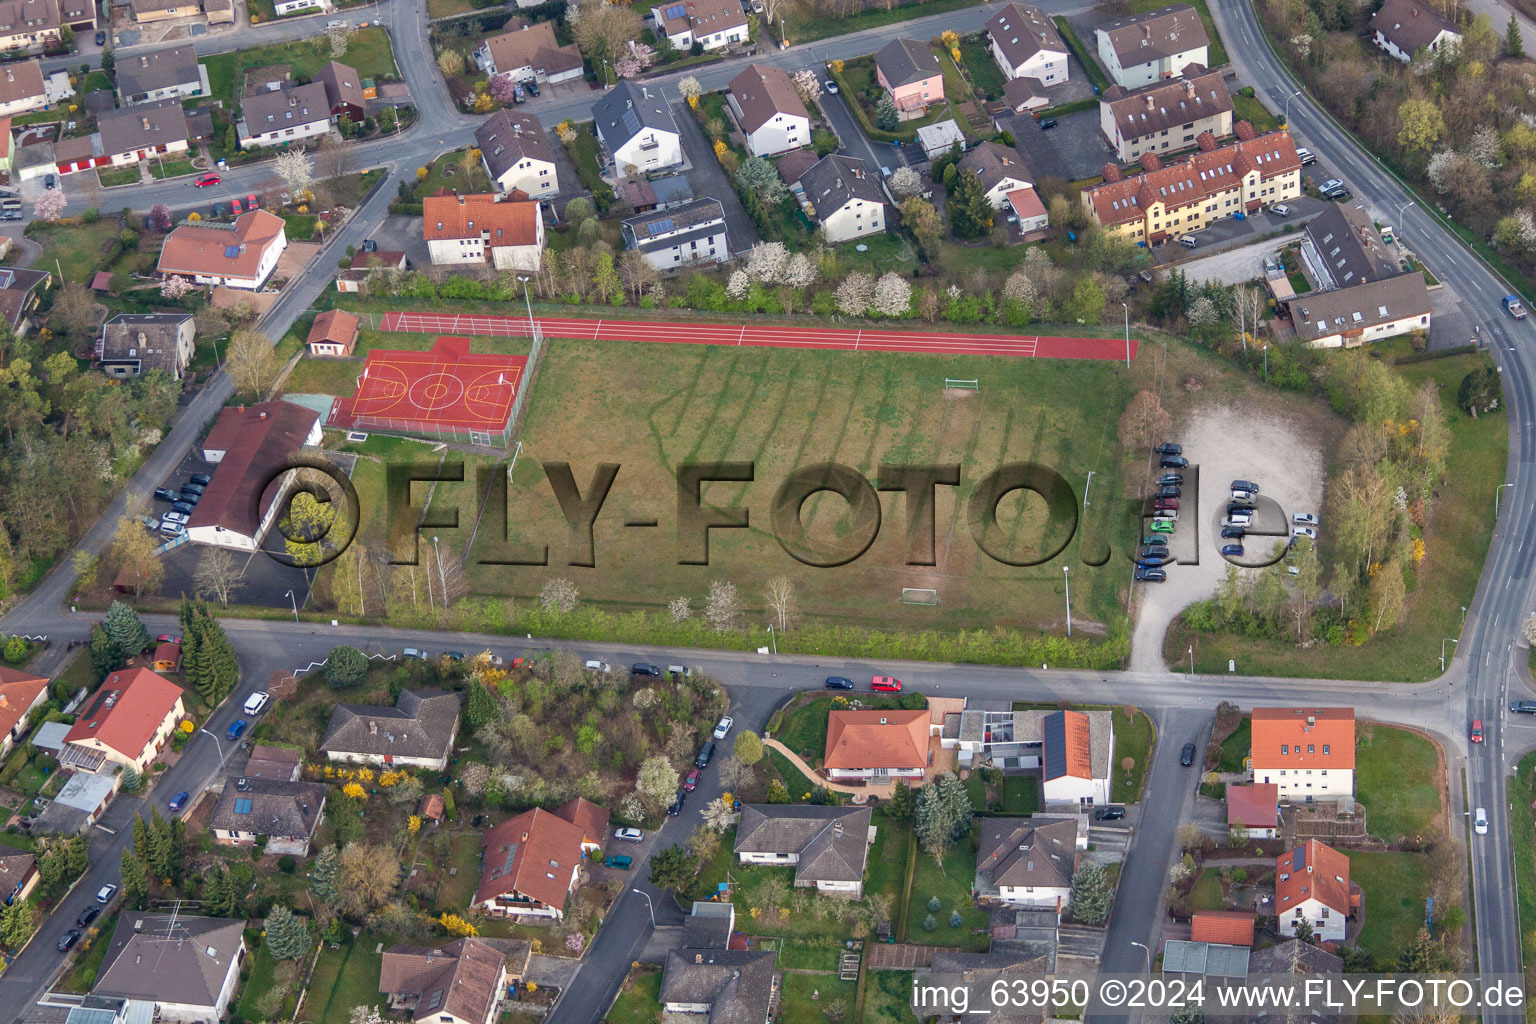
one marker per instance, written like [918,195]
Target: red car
[234,207]
[251,203]
[888,684]
[167,638]
[206,180]
[1477,730]
[691,782]
[1165,503]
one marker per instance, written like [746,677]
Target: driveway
[1074,149]
[856,144]
[708,178]
[1229,232]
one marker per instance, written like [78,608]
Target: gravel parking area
[1226,444]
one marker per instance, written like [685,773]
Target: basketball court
[446,391]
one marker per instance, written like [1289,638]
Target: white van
[1189,241]
[1305,155]
[256,701]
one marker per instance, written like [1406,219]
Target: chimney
[240,408]
[1146,31]
[1189,87]
[145,122]
[525,837]
[263,414]
[1151,101]
[698,958]
[837,828]
[373,728]
[144,61]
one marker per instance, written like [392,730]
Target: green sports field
[652,407]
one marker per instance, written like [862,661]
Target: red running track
[837,339]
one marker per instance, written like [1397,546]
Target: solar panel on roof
[676,11]
[631,122]
[231,251]
[660,227]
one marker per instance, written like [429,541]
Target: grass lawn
[96,81]
[262,970]
[806,24]
[1395,773]
[639,999]
[1021,794]
[82,973]
[803,727]
[448,8]
[1522,837]
[955,259]
[1206,894]
[797,1005]
[369,53]
[793,778]
[952,885]
[652,407]
[171,168]
[121,176]
[300,226]
[1394,886]
[584,154]
[1133,739]
[77,248]
[344,978]
[1235,748]
[806,956]
[448,171]
[986,76]
[1218,53]
[1457,543]
[886,868]
[888,997]
[1249,108]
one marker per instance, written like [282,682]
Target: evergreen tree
[323,875]
[16,924]
[134,880]
[1091,895]
[140,837]
[900,806]
[970,212]
[1425,955]
[942,815]
[673,869]
[287,934]
[215,891]
[480,707]
[163,855]
[345,666]
[106,656]
[887,117]
[123,626]
[1514,46]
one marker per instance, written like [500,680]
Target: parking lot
[1074,149]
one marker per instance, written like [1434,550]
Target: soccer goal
[957,384]
[919,595]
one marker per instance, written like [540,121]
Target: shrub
[287,865]
[955,920]
[930,923]
[934,904]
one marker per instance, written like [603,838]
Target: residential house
[1191,192]
[146,12]
[529,51]
[219,12]
[517,154]
[267,762]
[432,808]
[20,692]
[21,87]
[1228,927]
[531,863]
[1312,885]
[458,983]
[142,132]
[846,198]
[876,746]
[475,229]
[1405,28]
[727,985]
[417,732]
[1001,169]
[1292,960]
[19,298]
[981,973]
[253,445]
[635,125]
[909,72]
[238,255]
[1254,811]
[770,110]
[827,845]
[133,344]
[1071,749]
[126,722]
[292,114]
[1166,115]
[79,15]
[1193,960]
[709,24]
[79,804]
[709,925]
[792,167]
[187,966]
[343,91]
[1025,94]
[1363,293]
[1026,45]
[1029,209]
[334,333]
[1139,49]
[1027,862]
[940,138]
[18,874]
[30,24]
[171,73]
[364,265]
[286,813]
[1308,753]
[679,236]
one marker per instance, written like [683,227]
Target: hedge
[1439,353]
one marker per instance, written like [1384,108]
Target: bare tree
[780,594]
[218,573]
[74,311]
[251,363]
[559,595]
[603,31]
[1145,422]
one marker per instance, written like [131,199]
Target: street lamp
[1067,579]
[1496,491]
[1447,640]
[1127,310]
[1146,951]
[648,904]
[216,743]
[527,302]
[293,601]
[1288,105]
[773,640]
[442,582]
[1401,208]
[1191,659]
[1266,362]
[1086,487]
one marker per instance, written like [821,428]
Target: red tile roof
[1193,179]
[1077,746]
[1313,870]
[217,249]
[1229,927]
[877,739]
[1255,806]
[450,216]
[587,816]
[531,855]
[18,690]
[1303,738]
[257,441]
[334,327]
[143,700]
[1026,203]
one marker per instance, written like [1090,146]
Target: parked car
[1154,540]
[1238,494]
[723,727]
[369,245]
[236,728]
[101,39]
[1239,508]
[691,780]
[1165,504]
[1306,519]
[1477,730]
[597,666]
[49,181]
[532,87]
[1233,533]
[251,202]
[173,529]
[218,211]
[519,94]
[414,652]
[183,506]
[179,518]
[1109,814]
[179,801]
[1149,574]
[1047,123]
[167,638]
[620,861]
[1169,448]
[235,208]
[256,701]
[1523,707]
[1245,485]
[628,835]
[191,488]
[1304,531]
[1187,755]
[88,915]
[676,807]
[1171,479]
[454,655]
[1169,491]
[1280,210]
[1305,156]
[886,684]
[1233,550]
[204,180]
[1173,462]
[68,939]
[706,753]
[830,86]
[1163,526]
[1330,185]
[105,893]
[1480,822]
[644,668]
[164,494]
[838,683]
